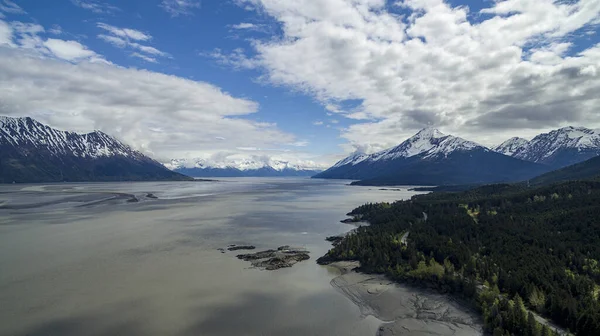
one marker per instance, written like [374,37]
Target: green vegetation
[512,250]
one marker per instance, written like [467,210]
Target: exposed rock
[151,196]
[284,256]
[241,247]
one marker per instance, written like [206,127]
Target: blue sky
[307,81]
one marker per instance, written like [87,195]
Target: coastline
[405,309]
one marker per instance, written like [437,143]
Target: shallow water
[78,259]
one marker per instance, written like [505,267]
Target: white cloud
[180,7]
[144,57]
[6,33]
[126,37]
[27,36]
[163,115]
[114,40]
[302,143]
[126,33]
[318,123]
[11,7]
[434,66]
[56,29]
[68,50]
[244,25]
[237,59]
[95,6]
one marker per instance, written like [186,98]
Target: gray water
[78,259]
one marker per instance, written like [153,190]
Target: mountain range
[557,149]
[433,158]
[33,152]
[240,168]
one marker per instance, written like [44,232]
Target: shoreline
[404,309]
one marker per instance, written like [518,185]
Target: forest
[516,252]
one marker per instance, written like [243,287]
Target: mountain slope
[239,168]
[558,148]
[586,170]
[511,146]
[33,152]
[433,158]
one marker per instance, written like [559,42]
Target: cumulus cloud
[128,38]
[505,71]
[180,7]
[163,115]
[68,50]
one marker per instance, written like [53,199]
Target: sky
[306,81]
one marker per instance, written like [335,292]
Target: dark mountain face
[33,152]
[459,168]
[433,158]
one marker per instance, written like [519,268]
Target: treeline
[505,247]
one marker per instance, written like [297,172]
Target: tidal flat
[82,259]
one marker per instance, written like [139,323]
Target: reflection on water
[79,259]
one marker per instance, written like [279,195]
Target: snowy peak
[353,159]
[511,146]
[23,133]
[564,146]
[428,142]
[246,164]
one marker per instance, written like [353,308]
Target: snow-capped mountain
[559,148]
[511,146]
[33,152]
[431,157]
[240,168]
[427,143]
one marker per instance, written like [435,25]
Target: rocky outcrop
[270,260]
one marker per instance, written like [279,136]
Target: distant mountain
[512,146]
[33,152]
[586,170]
[433,158]
[240,168]
[557,149]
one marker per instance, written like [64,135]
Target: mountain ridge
[431,157]
[34,152]
[558,148]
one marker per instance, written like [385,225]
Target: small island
[271,260]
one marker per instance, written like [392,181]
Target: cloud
[56,30]
[237,59]
[8,6]
[144,57]
[26,36]
[95,6]
[127,37]
[163,115]
[508,70]
[244,25]
[318,123]
[180,7]
[68,50]
[302,143]
[127,33]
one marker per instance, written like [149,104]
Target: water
[78,259]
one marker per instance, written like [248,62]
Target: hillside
[512,251]
[586,170]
